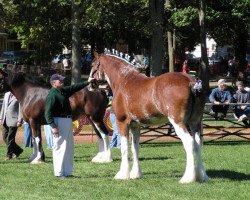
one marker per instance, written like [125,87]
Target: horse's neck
[20,91]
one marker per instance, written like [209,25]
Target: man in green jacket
[58,115]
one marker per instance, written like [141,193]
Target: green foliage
[184,17]
[47,24]
[43,23]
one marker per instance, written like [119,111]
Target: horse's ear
[96,55]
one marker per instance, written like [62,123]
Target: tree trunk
[240,46]
[156,11]
[170,52]
[203,72]
[76,41]
[171,44]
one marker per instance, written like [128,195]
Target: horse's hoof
[185,180]
[97,158]
[101,160]
[39,161]
[122,175]
[135,174]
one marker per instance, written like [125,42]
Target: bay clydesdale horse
[138,99]
[32,95]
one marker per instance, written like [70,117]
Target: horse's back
[166,95]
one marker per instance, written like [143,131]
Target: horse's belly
[155,120]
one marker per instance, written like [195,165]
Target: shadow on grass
[227,142]
[178,143]
[227,174]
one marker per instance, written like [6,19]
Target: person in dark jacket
[58,115]
[242,112]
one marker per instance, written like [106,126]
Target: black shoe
[18,154]
[245,122]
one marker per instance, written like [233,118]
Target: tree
[41,23]
[156,11]
[204,75]
[228,22]
[76,42]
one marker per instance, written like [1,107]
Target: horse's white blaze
[104,154]
[124,168]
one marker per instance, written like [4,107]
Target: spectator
[233,71]
[11,119]
[58,115]
[88,60]
[220,95]
[185,67]
[116,138]
[242,96]
[27,135]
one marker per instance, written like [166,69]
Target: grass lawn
[227,164]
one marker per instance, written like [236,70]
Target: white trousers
[63,148]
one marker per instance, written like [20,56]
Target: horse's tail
[196,103]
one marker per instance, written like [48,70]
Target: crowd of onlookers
[221,98]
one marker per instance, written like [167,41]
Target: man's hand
[55,132]
[216,102]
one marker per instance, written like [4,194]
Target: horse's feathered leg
[201,175]
[124,168]
[104,154]
[34,150]
[135,171]
[188,143]
[40,157]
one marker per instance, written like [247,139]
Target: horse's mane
[128,69]
[18,78]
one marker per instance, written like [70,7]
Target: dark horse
[32,96]
[138,99]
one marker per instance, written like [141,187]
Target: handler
[58,115]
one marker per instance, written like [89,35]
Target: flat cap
[57,77]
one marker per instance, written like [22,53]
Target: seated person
[220,95]
[242,96]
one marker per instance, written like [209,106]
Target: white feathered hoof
[187,179]
[102,158]
[135,174]
[38,161]
[97,158]
[122,176]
